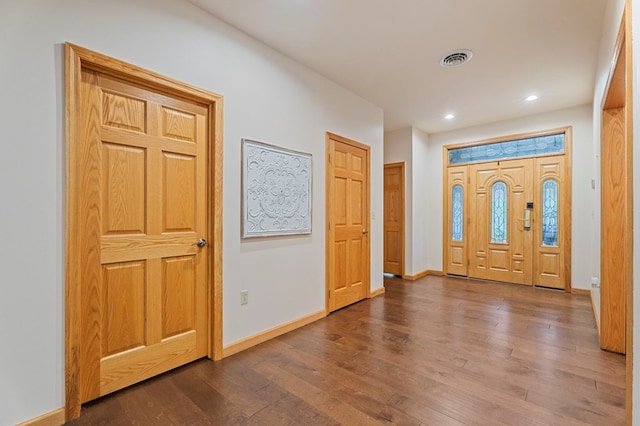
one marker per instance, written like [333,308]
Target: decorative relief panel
[276,190]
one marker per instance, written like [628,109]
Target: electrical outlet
[595,282]
[244,297]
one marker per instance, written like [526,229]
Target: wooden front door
[143,185]
[500,243]
[394,218]
[347,222]
[532,252]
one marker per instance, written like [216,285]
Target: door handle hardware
[527,219]
[201,242]
[365,231]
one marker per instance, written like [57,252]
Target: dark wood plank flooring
[437,351]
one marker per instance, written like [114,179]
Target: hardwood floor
[437,351]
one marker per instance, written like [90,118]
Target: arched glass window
[550,213]
[456,213]
[499,204]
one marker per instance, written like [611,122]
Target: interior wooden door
[549,222]
[616,196]
[616,232]
[456,221]
[394,218]
[143,187]
[347,222]
[500,245]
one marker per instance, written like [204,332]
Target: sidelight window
[456,213]
[550,213]
[499,203]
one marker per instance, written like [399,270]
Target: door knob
[364,231]
[201,242]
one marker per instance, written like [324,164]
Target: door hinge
[468,262]
[329,158]
[329,225]
[468,179]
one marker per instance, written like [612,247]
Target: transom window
[505,150]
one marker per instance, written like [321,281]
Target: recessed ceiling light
[449,117]
[531,98]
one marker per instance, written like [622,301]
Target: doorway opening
[394,219]
[507,209]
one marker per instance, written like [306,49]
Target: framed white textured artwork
[276,190]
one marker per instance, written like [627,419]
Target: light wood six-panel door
[144,191]
[347,222]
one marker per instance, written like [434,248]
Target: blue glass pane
[499,213]
[457,213]
[529,147]
[550,213]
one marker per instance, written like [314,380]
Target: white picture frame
[276,190]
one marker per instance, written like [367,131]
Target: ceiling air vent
[455,58]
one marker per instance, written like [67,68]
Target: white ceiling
[388,52]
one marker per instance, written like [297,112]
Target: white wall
[267,97]
[422,202]
[409,145]
[582,212]
[398,148]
